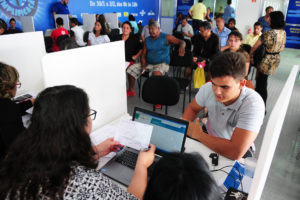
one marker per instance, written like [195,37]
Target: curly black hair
[277,20]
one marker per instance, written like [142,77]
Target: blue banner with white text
[293,25]
[143,10]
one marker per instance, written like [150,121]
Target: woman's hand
[146,158]
[107,146]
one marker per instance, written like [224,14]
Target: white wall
[99,70]
[24,51]
[247,13]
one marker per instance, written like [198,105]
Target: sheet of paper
[102,134]
[134,134]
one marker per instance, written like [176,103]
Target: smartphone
[22,98]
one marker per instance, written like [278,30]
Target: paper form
[134,134]
[102,134]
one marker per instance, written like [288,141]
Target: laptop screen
[168,133]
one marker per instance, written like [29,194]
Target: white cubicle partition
[112,19]
[88,21]
[27,23]
[271,137]
[65,19]
[99,70]
[25,51]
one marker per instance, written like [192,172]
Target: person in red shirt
[58,32]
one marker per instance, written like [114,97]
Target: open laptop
[168,135]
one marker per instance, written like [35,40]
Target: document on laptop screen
[134,134]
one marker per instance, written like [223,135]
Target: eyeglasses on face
[93,114]
[18,84]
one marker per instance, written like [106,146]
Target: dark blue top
[60,8]
[265,24]
[158,51]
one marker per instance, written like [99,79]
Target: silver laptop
[168,135]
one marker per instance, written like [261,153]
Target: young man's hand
[195,129]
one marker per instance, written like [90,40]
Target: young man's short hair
[228,64]
[228,2]
[232,20]
[258,24]
[59,21]
[206,25]
[219,16]
[12,19]
[236,34]
[74,20]
[184,18]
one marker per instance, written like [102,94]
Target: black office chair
[48,44]
[140,80]
[179,65]
[161,90]
[113,34]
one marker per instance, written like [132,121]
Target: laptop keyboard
[128,159]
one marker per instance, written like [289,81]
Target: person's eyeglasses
[93,114]
[18,84]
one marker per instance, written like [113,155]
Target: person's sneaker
[130,94]
[157,106]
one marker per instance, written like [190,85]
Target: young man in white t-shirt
[78,32]
[235,112]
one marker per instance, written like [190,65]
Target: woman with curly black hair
[274,41]
[54,158]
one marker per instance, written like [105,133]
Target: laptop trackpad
[118,172]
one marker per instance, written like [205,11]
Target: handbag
[199,76]
[259,54]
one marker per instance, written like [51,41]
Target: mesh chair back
[161,90]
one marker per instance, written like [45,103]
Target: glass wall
[167,8]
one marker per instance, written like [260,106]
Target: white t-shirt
[78,34]
[186,29]
[98,40]
[247,112]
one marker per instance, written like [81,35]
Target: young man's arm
[235,148]
[190,114]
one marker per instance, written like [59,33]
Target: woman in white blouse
[98,35]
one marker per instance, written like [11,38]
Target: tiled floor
[284,177]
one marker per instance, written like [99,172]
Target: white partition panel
[112,19]
[27,23]
[65,19]
[271,137]
[88,21]
[25,51]
[99,70]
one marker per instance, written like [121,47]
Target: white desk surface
[191,146]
